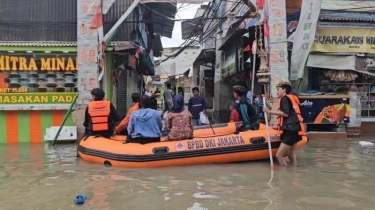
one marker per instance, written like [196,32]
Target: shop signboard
[37,81]
[324,110]
[228,62]
[218,62]
[348,40]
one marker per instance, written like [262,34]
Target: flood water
[330,175]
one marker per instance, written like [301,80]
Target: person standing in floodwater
[290,124]
[197,104]
[168,98]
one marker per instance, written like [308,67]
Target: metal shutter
[122,94]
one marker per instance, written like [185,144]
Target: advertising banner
[350,40]
[304,37]
[325,111]
[228,63]
[37,81]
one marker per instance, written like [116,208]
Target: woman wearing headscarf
[179,121]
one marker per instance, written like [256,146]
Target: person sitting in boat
[179,121]
[234,116]
[122,127]
[248,94]
[145,124]
[100,116]
[246,111]
[290,123]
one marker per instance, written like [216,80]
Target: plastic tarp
[335,62]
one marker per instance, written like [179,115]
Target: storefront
[37,87]
[335,81]
[341,77]
[203,74]
[236,51]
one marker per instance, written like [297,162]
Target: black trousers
[124,132]
[141,140]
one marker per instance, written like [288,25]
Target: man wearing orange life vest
[100,116]
[290,124]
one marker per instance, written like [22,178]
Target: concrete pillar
[278,51]
[278,47]
[223,96]
[87,41]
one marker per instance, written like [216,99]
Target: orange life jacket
[99,112]
[296,104]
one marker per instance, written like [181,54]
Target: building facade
[40,62]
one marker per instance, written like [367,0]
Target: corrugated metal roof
[53,20]
[350,16]
[161,15]
[51,44]
[25,20]
[38,44]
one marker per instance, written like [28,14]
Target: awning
[336,62]
[157,46]
[347,16]
[161,16]
[205,56]
[240,30]
[186,73]
[349,6]
[188,26]
[126,45]
[159,84]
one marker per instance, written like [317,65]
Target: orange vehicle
[225,146]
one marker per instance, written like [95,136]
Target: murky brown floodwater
[330,175]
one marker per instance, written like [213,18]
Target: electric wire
[209,32]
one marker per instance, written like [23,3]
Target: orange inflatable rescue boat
[219,144]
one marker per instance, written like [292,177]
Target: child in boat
[234,116]
[179,121]
[246,111]
[288,122]
[145,124]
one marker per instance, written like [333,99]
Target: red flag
[260,4]
[133,59]
[266,29]
[97,20]
[247,48]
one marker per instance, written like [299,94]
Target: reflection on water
[330,175]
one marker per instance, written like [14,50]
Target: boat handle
[257,140]
[160,150]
